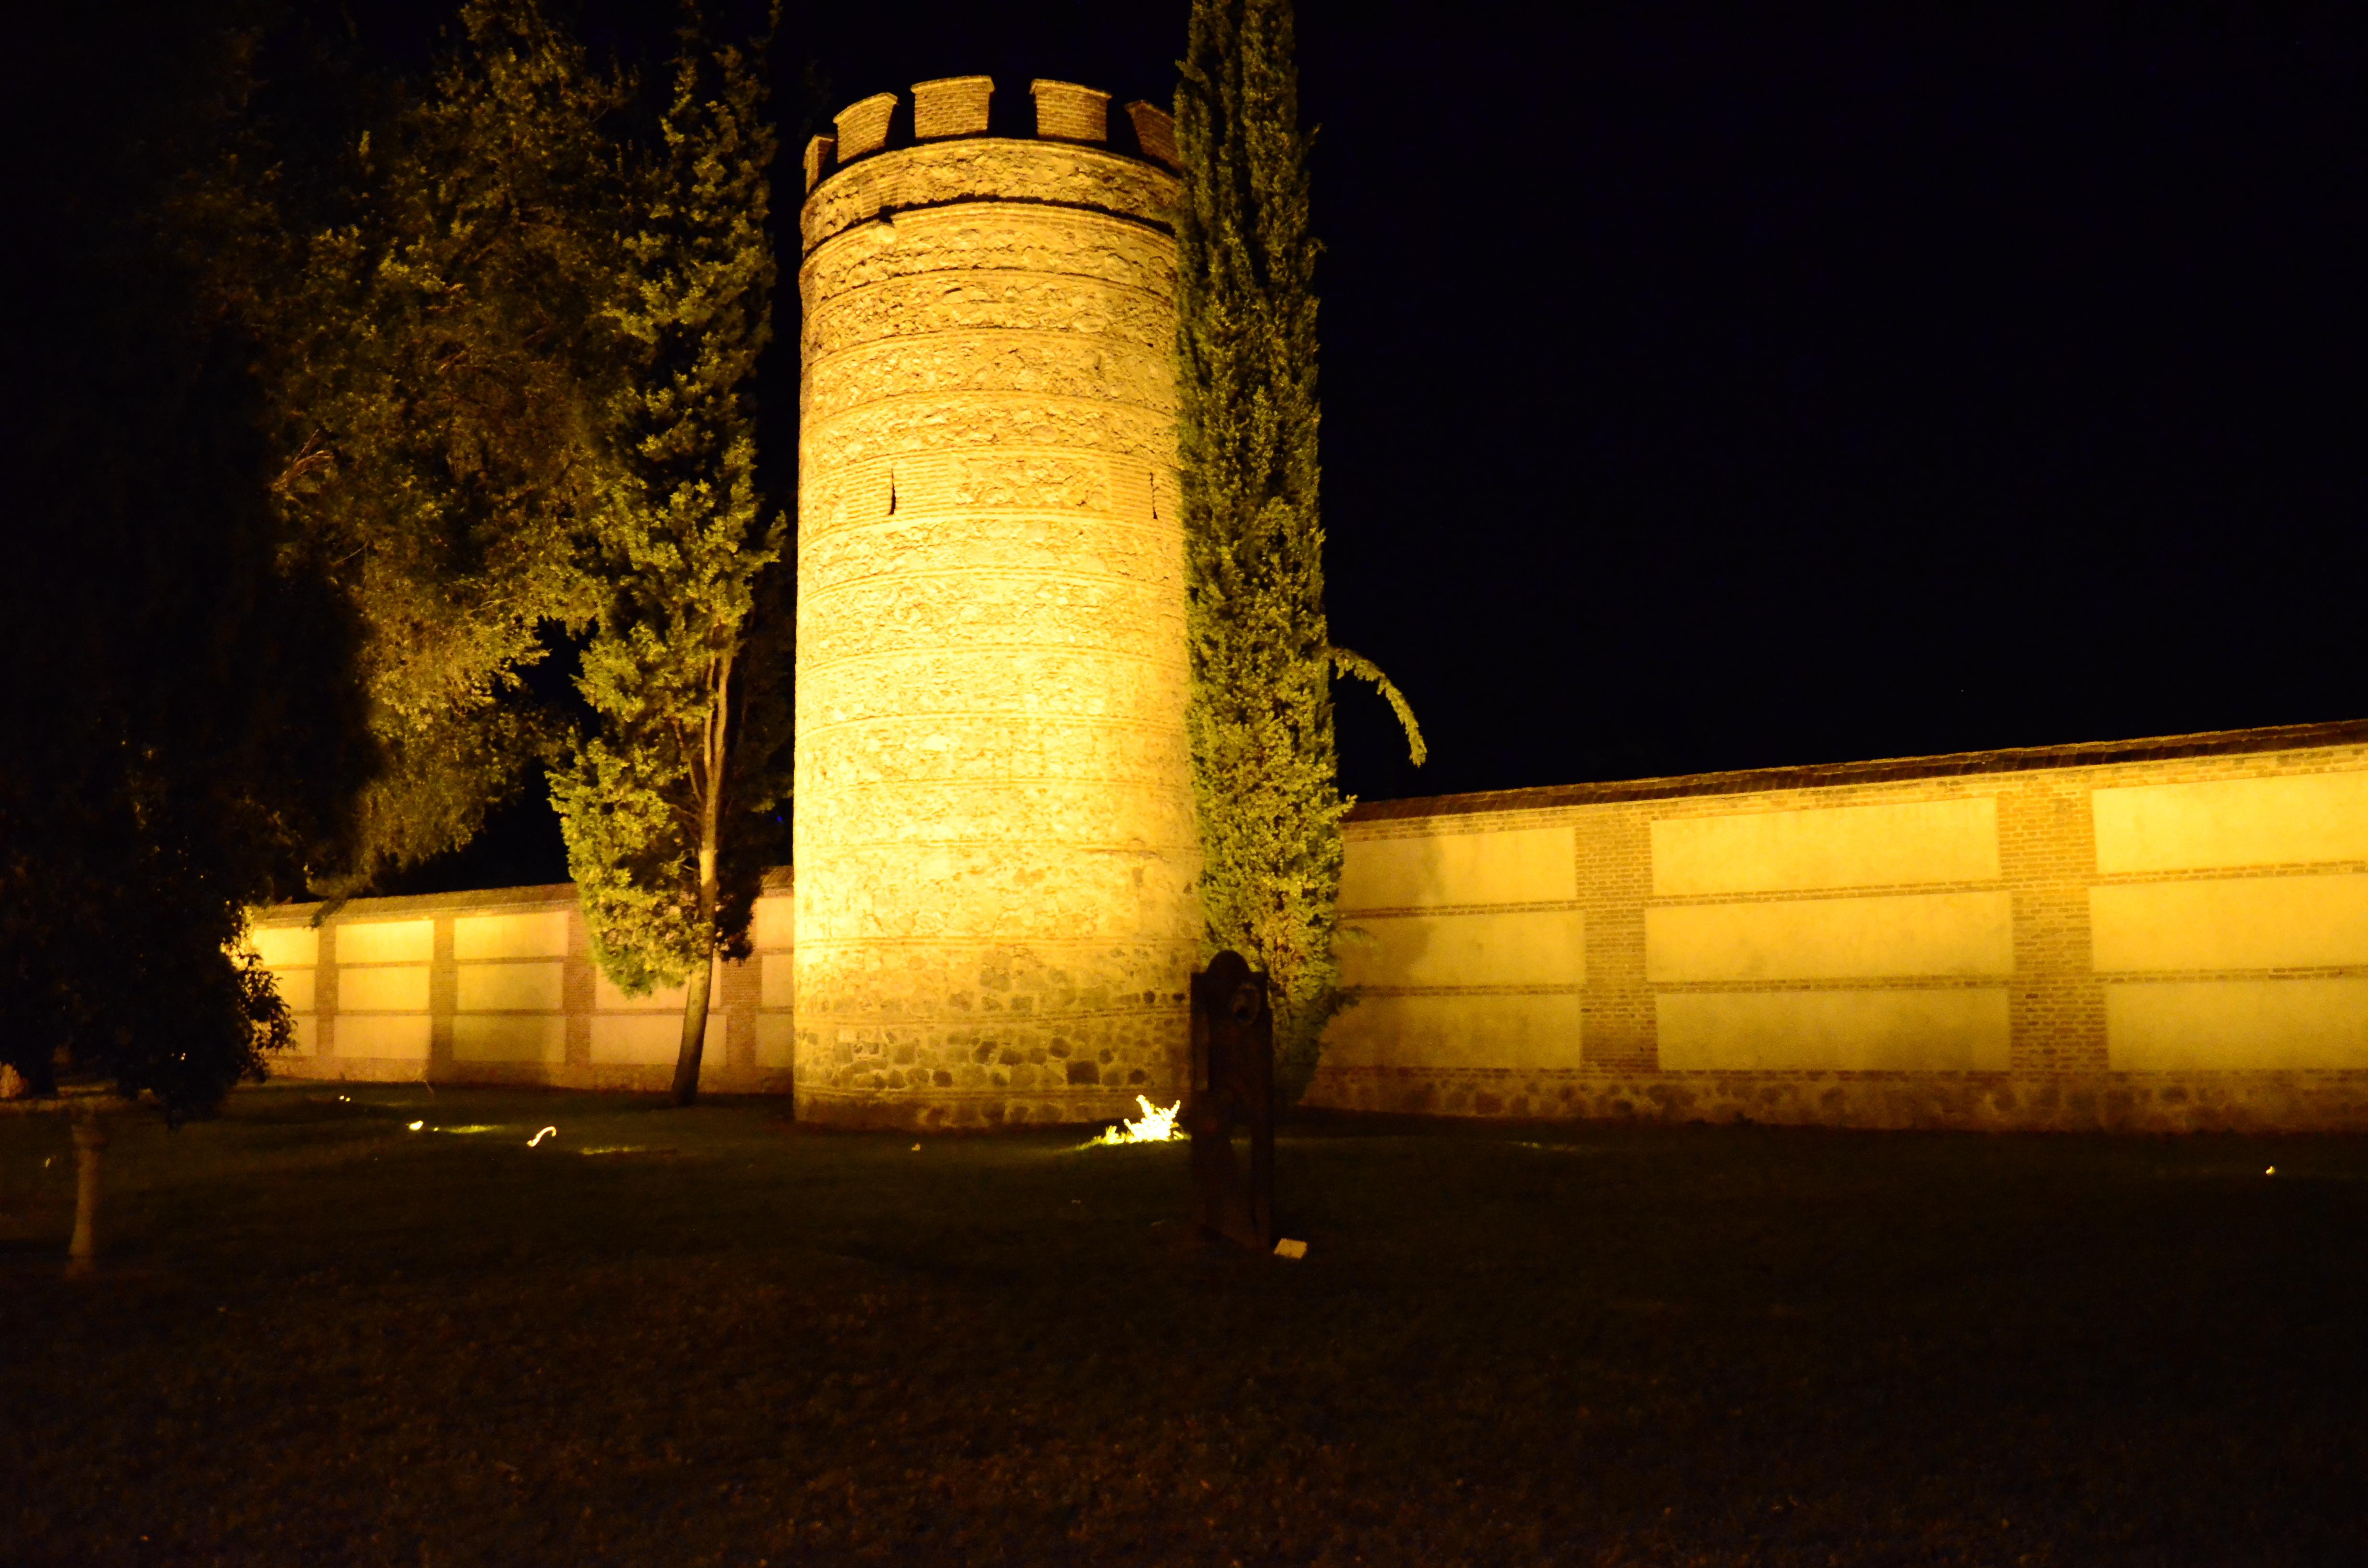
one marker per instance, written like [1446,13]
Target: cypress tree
[666,795]
[1265,773]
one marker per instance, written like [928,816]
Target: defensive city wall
[2164,934]
[499,987]
[2157,935]
[994,919]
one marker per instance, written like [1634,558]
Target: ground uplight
[1156,1125]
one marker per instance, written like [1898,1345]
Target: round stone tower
[996,854]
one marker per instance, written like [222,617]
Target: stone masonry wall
[995,918]
[996,914]
[2164,936]
[499,987]
[2161,935]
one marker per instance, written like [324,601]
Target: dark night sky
[1710,388]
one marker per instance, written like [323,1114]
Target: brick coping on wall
[1752,780]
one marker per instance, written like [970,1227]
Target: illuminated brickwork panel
[996,914]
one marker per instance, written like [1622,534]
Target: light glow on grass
[1155,1125]
[418,1125]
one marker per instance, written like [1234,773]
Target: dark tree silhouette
[180,733]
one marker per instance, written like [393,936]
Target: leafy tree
[439,363]
[180,731]
[667,794]
[1265,772]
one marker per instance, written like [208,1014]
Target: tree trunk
[702,979]
[711,779]
[694,1033]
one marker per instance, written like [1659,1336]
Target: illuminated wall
[499,987]
[994,818]
[2156,934]
[995,916]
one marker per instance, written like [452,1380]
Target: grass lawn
[321,1338]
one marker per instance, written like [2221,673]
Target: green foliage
[1264,767]
[182,731]
[662,795]
[439,366]
[512,361]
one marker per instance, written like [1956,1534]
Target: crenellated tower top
[958,106]
[958,109]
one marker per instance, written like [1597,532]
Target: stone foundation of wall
[1988,1102]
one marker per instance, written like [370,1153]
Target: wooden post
[1232,1081]
[90,1148]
